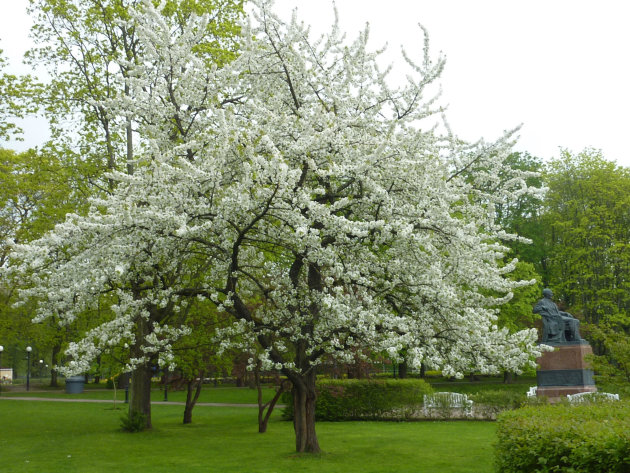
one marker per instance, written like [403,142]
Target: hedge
[357,399]
[490,403]
[590,438]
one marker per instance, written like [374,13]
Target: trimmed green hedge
[358,399]
[490,403]
[590,438]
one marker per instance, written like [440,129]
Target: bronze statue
[558,326]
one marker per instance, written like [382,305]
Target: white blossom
[305,196]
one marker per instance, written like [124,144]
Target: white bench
[581,398]
[532,391]
[444,400]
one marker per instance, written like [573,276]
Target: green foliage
[490,402]
[358,399]
[517,314]
[587,216]
[16,100]
[88,48]
[133,422]
[562,438]
[523,214]
[37,189]
[613,367]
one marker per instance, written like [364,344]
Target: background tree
[36,191]
[587,217]
[522,214]
[612,366]
[16,94]
[89,47]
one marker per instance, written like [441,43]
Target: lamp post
[41,366]
[28,367]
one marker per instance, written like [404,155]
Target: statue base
[565,371]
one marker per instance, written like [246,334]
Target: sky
[560,68]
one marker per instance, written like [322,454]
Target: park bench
[532,391]
[443,401]
[581,398]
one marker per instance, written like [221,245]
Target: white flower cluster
[300,193]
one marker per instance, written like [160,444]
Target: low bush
[590,438]
[354,399]
[136,422]
[489,403]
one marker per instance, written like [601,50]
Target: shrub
[563,438]
[489,403]
[358,399]
[136,422]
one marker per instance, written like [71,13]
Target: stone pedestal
[564,371]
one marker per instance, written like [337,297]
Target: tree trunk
[97,376]
[402,370]
[140,393]
[190,399]
[304,398]
[263,418]
[56,349]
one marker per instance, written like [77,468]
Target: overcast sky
[559,67]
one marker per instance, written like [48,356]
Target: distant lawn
[73,437]
[230,395]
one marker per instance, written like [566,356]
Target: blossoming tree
[318,205]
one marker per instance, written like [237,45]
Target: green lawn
[208,394]
[83,438]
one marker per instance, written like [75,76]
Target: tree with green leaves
[36,191]
[89,48]
[522,214]
[587,225]
[612,367]
[16,100]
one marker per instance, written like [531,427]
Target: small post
[127,394]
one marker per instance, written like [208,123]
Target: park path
[166,403]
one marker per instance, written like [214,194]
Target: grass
[231,395]
[78,437]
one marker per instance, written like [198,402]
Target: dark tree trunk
[263,417]
[191,399]
[423,370]
[56,349]
[97,376]
[304,397]
[140,393]
[402,370]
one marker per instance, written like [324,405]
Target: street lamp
[41,365]
[28,367]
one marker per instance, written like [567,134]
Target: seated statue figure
[558,326]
